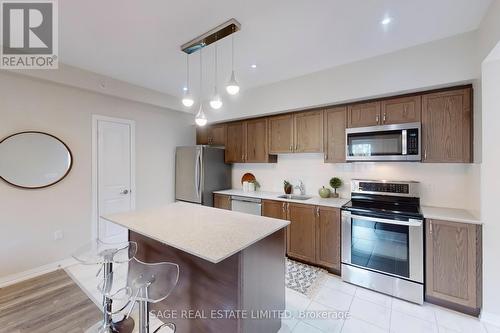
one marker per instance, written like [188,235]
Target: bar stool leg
[107,303]
[143,317]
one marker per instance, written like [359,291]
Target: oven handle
[410,222]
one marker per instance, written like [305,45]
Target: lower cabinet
[222,201]
[453,265]
[314,232]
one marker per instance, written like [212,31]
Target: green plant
[335,183]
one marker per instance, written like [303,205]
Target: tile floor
[371,312]
[367,311]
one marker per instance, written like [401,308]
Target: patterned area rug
[303,278]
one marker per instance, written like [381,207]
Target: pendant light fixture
[232,86]
[200,118]
[187,99]
[215,102]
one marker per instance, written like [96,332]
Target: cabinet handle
[425,153]
[242,157]
[405,109]
[385,117]
[296,146]
[317,211]
[284,204]
[377,118]
[430,227]
[326,157]
[291,147]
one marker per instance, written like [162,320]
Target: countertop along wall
[28,218]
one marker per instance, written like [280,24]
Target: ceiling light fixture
[232,86]
[187,100]
[386,21]
[215,102]
[253,66]
[200,118]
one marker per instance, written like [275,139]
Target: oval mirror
[34,160]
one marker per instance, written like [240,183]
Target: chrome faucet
[301,187]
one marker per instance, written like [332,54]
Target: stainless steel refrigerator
[200,170]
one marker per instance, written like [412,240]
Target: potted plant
[335,183]
[287,187]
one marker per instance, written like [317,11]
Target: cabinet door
[301,233]
[235,143]
[202,135]
[402,110]
[274,209]
[217,135]
[334,133]
[363,114]
[452,262]
[222,201]
[447,127]
[256,150]
[281,134]
[328,237]
[308,131]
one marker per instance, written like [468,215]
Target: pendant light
[187,100]
[232,86]
[200,118]
[215,102]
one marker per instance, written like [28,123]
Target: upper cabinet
[447,127]
[235,142]
[363,114]
[281,134]
[308,132]
[211,135]
[296,133]
[247,142]
[335,121]
[401,110]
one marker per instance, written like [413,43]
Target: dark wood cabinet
[222,201]
[401,110]
[308,132]
[363,114]
[335,120]
[301,233]
[281,134]
[274,209]
[257,142]
[447,127]
[211,135]
[202,135]
[328,237]
[453,265]
[235,142]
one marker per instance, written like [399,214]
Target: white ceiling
[138,41]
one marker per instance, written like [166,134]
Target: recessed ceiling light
[253,66]
[185,88]
[386,21]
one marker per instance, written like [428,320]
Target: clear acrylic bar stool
[105,255]
[146,283]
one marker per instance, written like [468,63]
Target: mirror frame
[48,185]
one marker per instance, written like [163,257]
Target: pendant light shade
[232,86]
[187,99]
[201,119]
[215,102]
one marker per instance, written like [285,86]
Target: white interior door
[114,176]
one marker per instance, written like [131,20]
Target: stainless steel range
[382,238]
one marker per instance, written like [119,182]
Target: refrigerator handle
[198,173]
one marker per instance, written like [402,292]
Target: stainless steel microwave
[401,142]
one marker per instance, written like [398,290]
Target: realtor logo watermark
[29,34]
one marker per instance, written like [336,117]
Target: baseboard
[490,318]
[29,274]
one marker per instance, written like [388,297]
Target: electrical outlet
[58,235]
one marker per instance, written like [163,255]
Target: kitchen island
[232,266]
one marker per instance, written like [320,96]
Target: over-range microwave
[400,142]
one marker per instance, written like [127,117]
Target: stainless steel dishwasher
[246,205]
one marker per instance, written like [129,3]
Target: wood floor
[48,303]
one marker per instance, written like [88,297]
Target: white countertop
[449,214]
[209,233]
[315,200]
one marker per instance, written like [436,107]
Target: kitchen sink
[294,197]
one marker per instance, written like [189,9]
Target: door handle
[124,192]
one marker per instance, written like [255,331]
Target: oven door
[386,246]
[384,143]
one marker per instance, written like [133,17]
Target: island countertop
[209,233]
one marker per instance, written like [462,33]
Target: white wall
[489,186]
[443,62]
[441,184]
[28,218]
